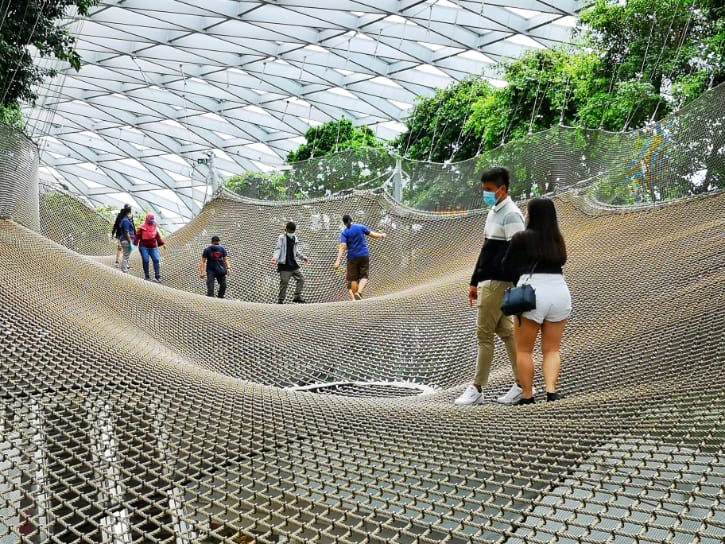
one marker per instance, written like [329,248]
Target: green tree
[11,116]
[632,62]
[435,129]
[338,156]
[260,185]
[656,55]
[35,23]
[333,137]
[544,89]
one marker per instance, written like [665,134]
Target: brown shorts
[357,269]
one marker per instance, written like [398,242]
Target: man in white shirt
[489,282]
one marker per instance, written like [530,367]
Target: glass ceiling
[175,95]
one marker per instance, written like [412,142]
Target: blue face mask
[290,235]
[489,198]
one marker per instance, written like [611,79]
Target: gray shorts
[553,300]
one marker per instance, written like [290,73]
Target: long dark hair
[121,214]
[550,244]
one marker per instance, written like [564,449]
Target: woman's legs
[144,260]
[155,257]
[551,334]
[526,334]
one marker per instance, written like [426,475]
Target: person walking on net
[285,259]
[536,256]
[148,239]
[489,282]
[215,267]
[125,233]
[354,242]
[116,230]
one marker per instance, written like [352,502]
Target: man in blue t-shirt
[354,242]
[215,267]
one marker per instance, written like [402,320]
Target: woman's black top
[117,223]
[524,251]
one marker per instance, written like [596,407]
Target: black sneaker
[553,397]
[299,300]
[523,401]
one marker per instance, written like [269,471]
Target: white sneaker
[470,396]
[514,395]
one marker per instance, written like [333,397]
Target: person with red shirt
[148,240]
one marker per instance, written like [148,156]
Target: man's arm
[340,252]
[228,264]
[475,278]
[277,251]
[202,268]
[378,235]
[300,255]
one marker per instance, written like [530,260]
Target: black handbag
[517,300]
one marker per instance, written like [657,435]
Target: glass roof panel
[167,82]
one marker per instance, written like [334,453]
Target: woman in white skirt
[536,256]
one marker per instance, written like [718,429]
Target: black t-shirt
[215,256]
[291,263]
[524,252]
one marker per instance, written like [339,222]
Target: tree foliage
[632,62]
[260,185]
[35,24]
[333,137]
[434,129]
[12,116]
[655,55]
[337,156]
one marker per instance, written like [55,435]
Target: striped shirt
[503,221]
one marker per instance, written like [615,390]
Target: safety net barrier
[138,412]
[18,178]
[679,156]
[73,223]
[134,412]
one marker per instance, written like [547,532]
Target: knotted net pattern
[137,412]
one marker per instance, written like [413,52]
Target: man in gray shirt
[489,282]
[286,257]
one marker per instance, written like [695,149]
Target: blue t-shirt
[354,237]
[126,226]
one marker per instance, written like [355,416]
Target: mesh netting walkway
[136,412]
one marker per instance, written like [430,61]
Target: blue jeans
[153,253]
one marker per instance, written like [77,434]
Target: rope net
[134,412]
[74,224]
[679,156]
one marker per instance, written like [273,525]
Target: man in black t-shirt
[215,267]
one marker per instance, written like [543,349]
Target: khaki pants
[492,321]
